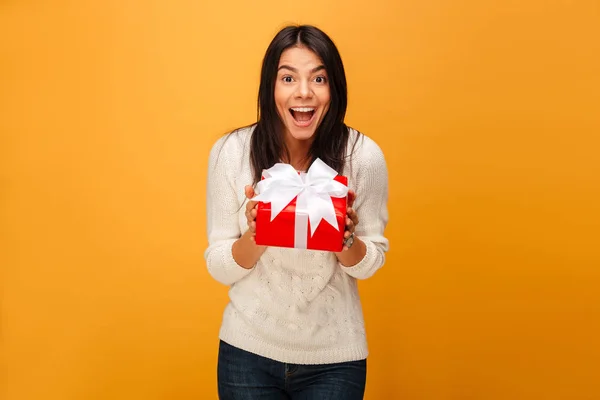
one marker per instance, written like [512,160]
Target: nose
[304,90]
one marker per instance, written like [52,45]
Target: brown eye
[320,79]
[287,79]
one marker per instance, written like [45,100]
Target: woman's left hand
[351,221]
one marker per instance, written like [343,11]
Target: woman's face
[302,93]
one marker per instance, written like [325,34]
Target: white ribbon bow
[314,190]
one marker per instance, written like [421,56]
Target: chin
[301,134]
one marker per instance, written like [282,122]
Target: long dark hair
[331,137]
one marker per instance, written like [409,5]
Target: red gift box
[291,226]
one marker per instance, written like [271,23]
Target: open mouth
[302,115]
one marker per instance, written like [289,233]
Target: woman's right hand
[246,252]
[251,211]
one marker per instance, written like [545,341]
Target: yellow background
[488,114]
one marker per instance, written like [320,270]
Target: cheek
[326,103]
[277,94]
[280,96]
[325,98]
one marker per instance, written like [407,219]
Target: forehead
[300,57]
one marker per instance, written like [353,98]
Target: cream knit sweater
[294,306]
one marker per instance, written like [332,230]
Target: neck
[298,152]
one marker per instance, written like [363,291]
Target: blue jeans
[246,376]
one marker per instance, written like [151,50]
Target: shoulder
[368,172]
[364,151]
[229,155]
[233,144]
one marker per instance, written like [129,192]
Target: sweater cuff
[229,271]
[365,267]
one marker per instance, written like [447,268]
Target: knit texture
[294,306]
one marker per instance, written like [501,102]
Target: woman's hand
[351,221]
[251,211]
[354,249]
[245,251]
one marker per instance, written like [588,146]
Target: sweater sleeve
[222,206]
[371,187]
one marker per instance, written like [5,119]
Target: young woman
[293,328]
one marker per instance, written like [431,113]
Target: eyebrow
[295,70]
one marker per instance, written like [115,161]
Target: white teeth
[303,109]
